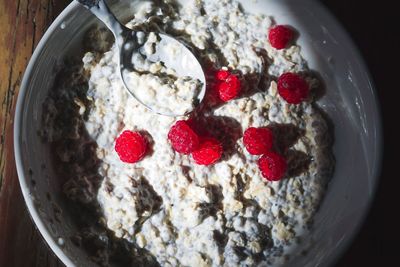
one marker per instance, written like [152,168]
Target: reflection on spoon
[158,70]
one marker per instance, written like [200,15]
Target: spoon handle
[101,10]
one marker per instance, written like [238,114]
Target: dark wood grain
[23,23]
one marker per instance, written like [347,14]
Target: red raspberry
[279,36]
[221,75]
[209,152]
[258,140]
[272,166]
[228,86]
[183,139]
[130,146]
[292,88]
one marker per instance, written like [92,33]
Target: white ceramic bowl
[350,102]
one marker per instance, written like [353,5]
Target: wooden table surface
[23,23]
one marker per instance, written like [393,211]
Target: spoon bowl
[177,78]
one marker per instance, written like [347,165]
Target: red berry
[221,75]
[130,146]
[272,166]
[258,140]
[292,88]
[209,152]
[183,139]
[228,88]
[279,36]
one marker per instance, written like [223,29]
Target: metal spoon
[129,45]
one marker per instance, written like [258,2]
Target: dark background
[373,27]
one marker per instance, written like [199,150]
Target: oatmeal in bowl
[237,182]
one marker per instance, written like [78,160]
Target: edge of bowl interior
[22,170]
[374,113]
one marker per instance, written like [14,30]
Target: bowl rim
[33,210]
[376,116]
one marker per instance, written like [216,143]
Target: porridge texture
[159,87]
[225,214]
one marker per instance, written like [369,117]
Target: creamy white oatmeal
[158,87]
[226,214]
